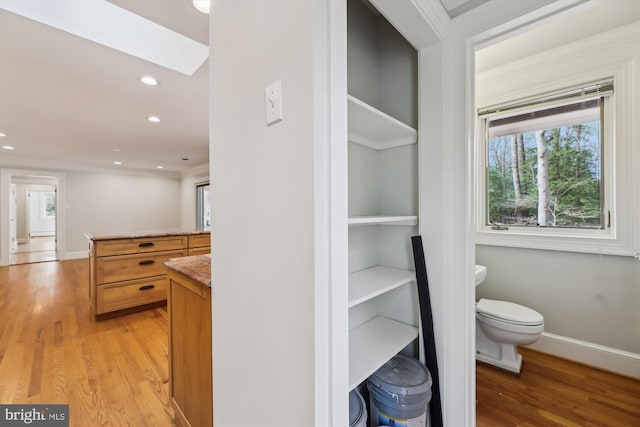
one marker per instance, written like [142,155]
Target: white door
[12,218]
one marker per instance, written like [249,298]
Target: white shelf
[371,282]
[384,219]
[372,128]
[374,343]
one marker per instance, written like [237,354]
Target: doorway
[33,228]
[32,224]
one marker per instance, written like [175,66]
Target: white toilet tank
[481,274]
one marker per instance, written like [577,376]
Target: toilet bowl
[500,327]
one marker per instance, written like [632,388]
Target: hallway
[39,249]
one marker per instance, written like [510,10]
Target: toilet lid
[509,312]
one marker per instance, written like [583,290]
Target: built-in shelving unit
[374,281]
[372,128]
[383,219]
[373,343]
[383,193]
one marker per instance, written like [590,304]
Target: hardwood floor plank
[555,392]
[111,373]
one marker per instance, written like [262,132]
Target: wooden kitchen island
[126,271]
[190,371]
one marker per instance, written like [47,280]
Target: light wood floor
[111,373]
[39,249]
[554,392]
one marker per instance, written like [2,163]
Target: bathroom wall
[593,298]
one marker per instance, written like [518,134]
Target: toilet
[500,327]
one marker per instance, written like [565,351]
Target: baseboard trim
[76,255]
[607,358]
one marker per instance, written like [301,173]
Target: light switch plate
[273,102]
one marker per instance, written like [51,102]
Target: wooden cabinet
[190,371]
[200,244]
[128,272]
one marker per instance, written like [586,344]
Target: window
[47,202]
[547,168]
[203,206]
[544,167]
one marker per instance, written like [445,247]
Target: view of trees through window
[546,177]
[49,204]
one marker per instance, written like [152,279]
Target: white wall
[107,203]
[263,206]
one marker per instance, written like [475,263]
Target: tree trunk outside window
[544,195]
[517,161]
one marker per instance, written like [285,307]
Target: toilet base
[501,355]
[511,364]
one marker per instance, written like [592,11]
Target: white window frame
[616,56]
[199,214]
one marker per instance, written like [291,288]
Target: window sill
[604,242]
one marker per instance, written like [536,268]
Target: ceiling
[585,20]
[458,7]
[68,103]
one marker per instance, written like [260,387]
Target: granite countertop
[150,233]
[196,267]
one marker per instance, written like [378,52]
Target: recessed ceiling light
[202,5]
[116,150]
[159,167]
[8,147]
[148,80]
[117,163]
[154,119]
[2,134]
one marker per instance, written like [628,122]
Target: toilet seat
[509,312]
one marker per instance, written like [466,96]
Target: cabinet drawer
[199,240]
[128,267]
[200,251]
[139,245]
[130,294]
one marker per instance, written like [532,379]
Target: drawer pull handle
[146,287]
[145,245]
[146,262]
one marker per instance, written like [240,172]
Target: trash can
[400,392]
